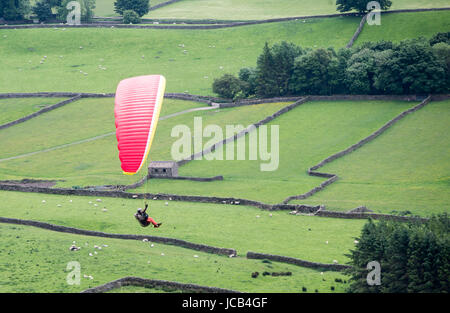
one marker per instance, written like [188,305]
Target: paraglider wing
[138,103]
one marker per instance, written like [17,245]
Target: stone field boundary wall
[42,111]
[357,32]
[127,195]
[298,262]
[156,239]
[153,283]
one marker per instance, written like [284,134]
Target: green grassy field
[209,54]
[406,168]
[105,8]
[239,227]
[417,24]
[36,261]
[109,55]
[304,141]
[13,109]
[265,9]
[96,162]
[252,9]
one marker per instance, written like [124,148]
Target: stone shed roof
[163,164]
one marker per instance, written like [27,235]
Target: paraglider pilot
[144,219]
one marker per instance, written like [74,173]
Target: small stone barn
[163,168]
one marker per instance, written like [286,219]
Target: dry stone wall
[42,111]
[298,262]
[153,283]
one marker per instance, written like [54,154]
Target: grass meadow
[239,227]
[251,9]
[37,262]
[13,109]
[405,169]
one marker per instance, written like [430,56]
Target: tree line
[46,10]
[414,257]
[417,66]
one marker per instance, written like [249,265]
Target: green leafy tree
[442,52]
[248,76]
[395,279]
[266,79]
[228,86]
[360,5]
[274,69]
[414,256]
[141,7]
[418,67]
[360,72]
[43,10]
[315,73]
[12,10]
[440,37]
[131,17]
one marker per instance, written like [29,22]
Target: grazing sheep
[74,248]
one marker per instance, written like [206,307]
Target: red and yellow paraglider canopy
[137,106]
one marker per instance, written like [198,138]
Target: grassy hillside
[252,9]
[240,227]
[308,134]
[406,168]
[109,55]
[37,262]
[96,162]
[13,109]
[397,27]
